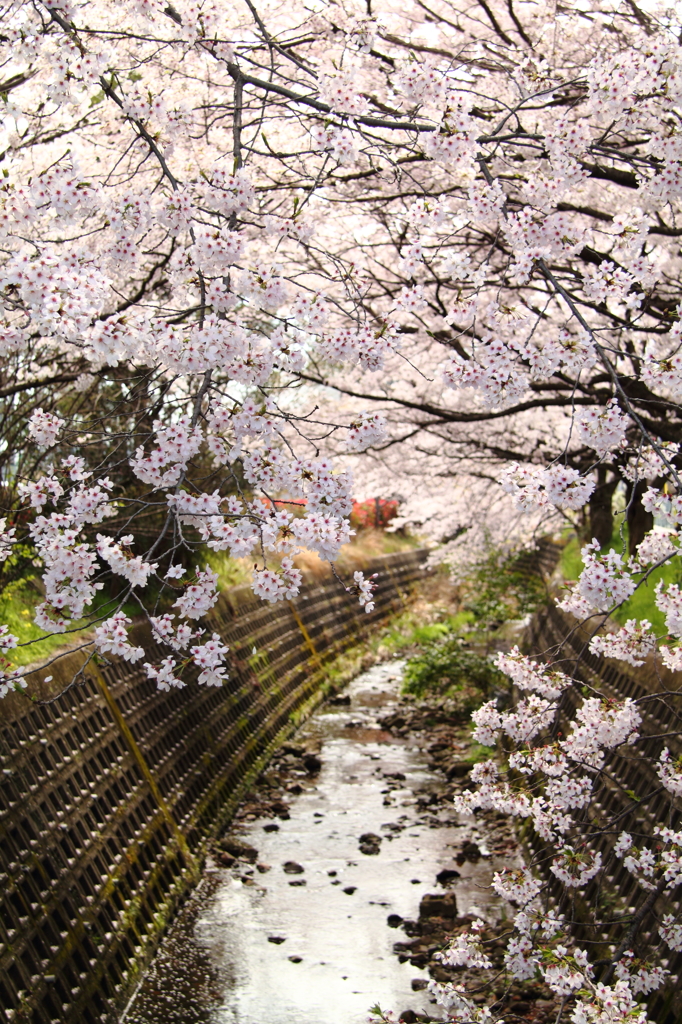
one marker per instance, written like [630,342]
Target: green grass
[407,631]
[232,572]
[571,563]
[642,603]
[17,608]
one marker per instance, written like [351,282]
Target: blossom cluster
[534,487]
[605,581]
[633,642]
[662,861]
[364,588]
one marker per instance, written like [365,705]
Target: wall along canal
[258,944]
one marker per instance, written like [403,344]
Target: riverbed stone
[441,904]
[370,843]
[281,809]
[292,867]
[312,763]
[393,721]
[293,749]
[469,851]
[238,849]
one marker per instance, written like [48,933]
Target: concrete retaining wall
[110,794]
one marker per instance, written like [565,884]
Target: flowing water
[221,965]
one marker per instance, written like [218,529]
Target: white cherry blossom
[112,636]
[44,427]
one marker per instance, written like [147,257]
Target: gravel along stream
[347,834]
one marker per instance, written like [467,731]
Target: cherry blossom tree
[242,243]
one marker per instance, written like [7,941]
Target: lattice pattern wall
[628,773]
[110,795]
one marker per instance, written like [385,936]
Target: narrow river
[260,945]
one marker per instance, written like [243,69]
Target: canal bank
[111,793]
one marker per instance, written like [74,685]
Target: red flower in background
[373,513]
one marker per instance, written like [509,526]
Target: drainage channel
[306,935]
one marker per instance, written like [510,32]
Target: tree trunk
[639,520]
[600,508]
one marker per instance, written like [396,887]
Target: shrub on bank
[444,667]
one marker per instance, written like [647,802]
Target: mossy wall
[110,795]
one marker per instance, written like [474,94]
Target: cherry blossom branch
[610,370]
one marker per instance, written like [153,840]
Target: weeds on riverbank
[502,587]
[454,656]
[444,667]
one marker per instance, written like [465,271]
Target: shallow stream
[270,947]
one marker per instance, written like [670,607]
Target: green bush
[443,667]
[501,587]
